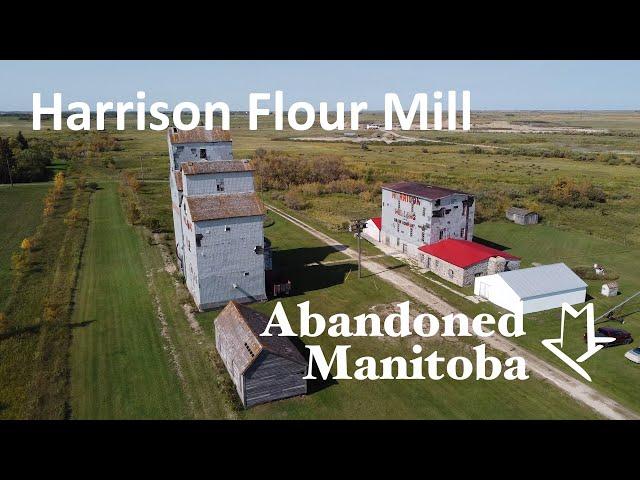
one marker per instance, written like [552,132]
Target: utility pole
[357,226]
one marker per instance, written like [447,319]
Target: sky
[494,85]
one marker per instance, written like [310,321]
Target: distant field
[20,214]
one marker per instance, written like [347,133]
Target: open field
[34,346]
[20,214]
[120,369]
[126,325]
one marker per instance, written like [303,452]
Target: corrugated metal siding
[191,152]
[543,280]
[207,184]
[225,256]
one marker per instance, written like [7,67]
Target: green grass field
[20,214]
[135,355]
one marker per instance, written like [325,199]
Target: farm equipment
[617,313]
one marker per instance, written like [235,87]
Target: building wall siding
[190,152]
[458,275]
[207,184]
[272,377]
[223,346]
[227,258]
[408,220]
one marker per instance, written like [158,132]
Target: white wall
[371,231]
[549,302]
[497,292]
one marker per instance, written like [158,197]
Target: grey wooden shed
[522,216]
[263,369]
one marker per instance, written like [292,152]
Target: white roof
[543,280]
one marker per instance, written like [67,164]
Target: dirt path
[581,392]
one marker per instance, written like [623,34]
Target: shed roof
[463,253]
[242,326]
[377,221]
[178,176]
[429,192]
[217,166]
[198,135]
[229,205]
[519,211]
[542,280]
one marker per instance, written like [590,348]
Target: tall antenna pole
[357,226]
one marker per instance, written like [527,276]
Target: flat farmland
[20,214]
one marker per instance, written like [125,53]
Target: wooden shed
[522,216]
[263,369]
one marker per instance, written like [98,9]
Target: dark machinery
[617,313]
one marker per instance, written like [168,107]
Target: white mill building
[217,217]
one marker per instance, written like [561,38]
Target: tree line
[23,161]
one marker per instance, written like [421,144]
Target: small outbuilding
[372,229]
[533,289]
[522,216]
[263,368]
[610,289]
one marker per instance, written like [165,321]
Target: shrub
[72,217]
[4,323]
[19,262]
[281,172]
[589,273]
[133,213]
[294,199]
[27,244]
[58,183]
[567,192]
[153,224]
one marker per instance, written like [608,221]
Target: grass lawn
[135,355]
[20,214]
[333,288]
[610,371]
[121,357]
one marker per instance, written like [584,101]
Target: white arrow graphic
[592,340]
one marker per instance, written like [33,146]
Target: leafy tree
[7,161]
[32,165]
[21,141]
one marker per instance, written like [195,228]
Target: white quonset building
[218,219]
[414,214]
[533,289]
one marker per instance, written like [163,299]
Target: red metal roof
[377,222]
[463,253]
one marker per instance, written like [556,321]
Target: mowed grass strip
[20,214]
[120,368]
[334,288]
